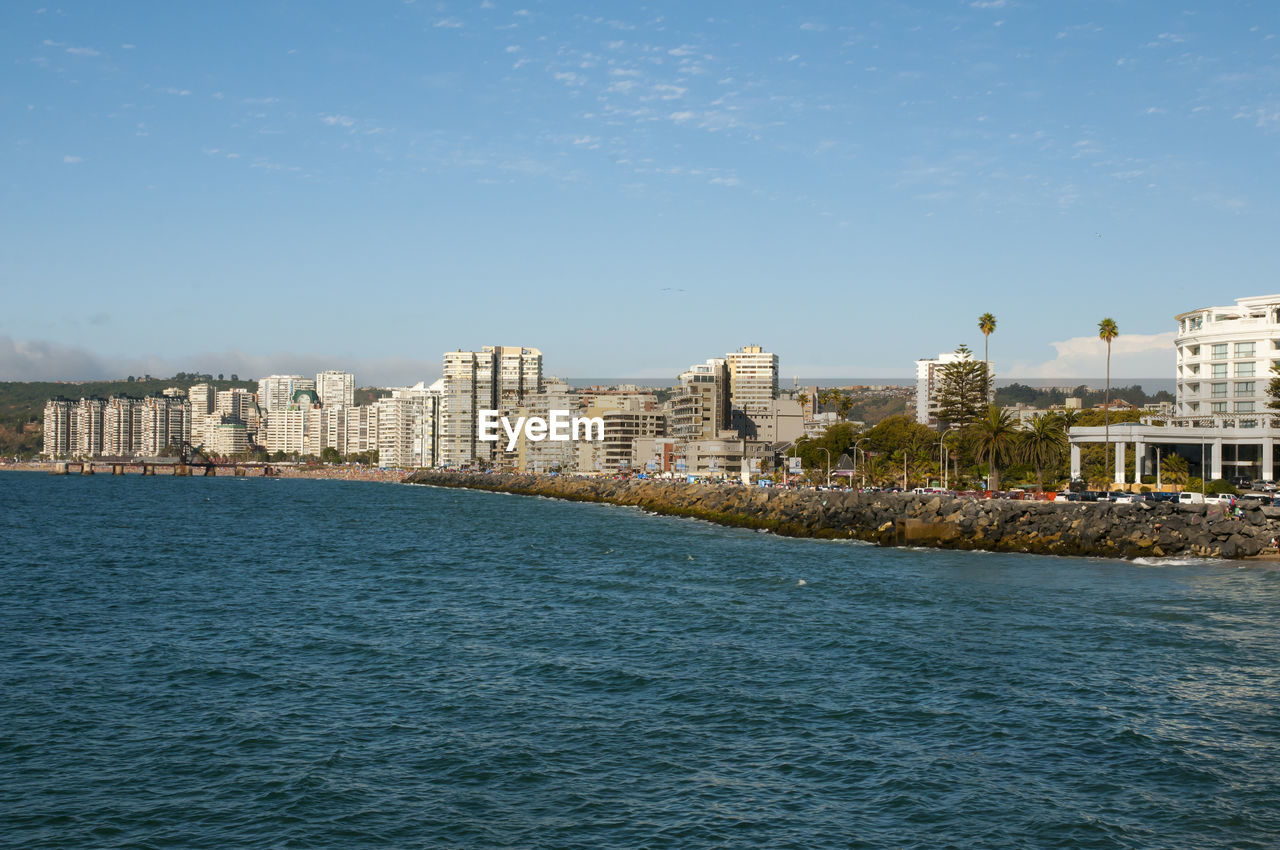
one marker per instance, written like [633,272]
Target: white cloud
[72,159]
[44,360]
[448,23]
[513,48]
[338,120]
[83,51]
[1132,355]
[175,91]
[127,46]
[989,4]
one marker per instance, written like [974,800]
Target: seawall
[1052,528]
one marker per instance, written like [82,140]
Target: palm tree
[996,434]
[987,324]
[1042,444]
[1175,469]
[1107,331]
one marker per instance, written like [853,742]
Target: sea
[230,662]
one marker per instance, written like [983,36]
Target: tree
[1107,331]
[330,455]
[234,376]
[1174,469]
[844,403]
[986,324]
[996,435]
[1042,444]
[1273,388]
[962,390]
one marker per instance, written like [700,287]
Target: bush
[1219,485]
[1145,488]
[1148,479]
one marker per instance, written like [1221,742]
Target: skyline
[205,188]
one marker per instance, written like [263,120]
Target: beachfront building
[700,409]
[165,425]
[622,430]
[753,378]
[58,429]
[1221,424]
[548,455]
[296,428]
[497,377]
[122,427]
[275,392]
[336,389]
[929,379]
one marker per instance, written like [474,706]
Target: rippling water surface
[230,662]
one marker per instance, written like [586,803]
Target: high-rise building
[57,428]
[548,455]
[700,410]
[122,426]
[88,415]
[753,378]
[336,389]
[296,428]
[165,423]
[275,392]
[497,377]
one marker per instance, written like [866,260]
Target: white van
[1188,498]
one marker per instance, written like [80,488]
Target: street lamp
[1158,485]
[857,443]
[828,451]
[942,452]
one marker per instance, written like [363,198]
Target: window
[1194,350]
[1193,388]
[1219,370]
[1220,351]
[1195,368]
[1244,349]
[1195,405]
[1244,387]
[1219,390]
[1218,407]
[1244,407]
[1245,370]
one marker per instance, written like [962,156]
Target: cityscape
[796,426]
[727,418]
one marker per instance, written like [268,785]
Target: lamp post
[857,443]
[942,453]
[1158,486]
[828,451]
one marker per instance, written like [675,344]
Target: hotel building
[1221,424]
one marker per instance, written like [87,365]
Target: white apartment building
[275,392]
[88,413]
[928,380]
[622,428]
[548,455]
[336,389]
[753,378]
[166,422]
[58,428]
[295,428]
[1224,360]
[226,438]
[122,427]
[497,377]
[1221,423]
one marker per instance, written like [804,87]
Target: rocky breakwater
[1056,528]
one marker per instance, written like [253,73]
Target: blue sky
[271,186]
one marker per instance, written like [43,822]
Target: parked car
[1186,497]
[1242,483]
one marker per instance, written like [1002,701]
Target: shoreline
[330,473]
[1128,531]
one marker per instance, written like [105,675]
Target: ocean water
[260,663]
